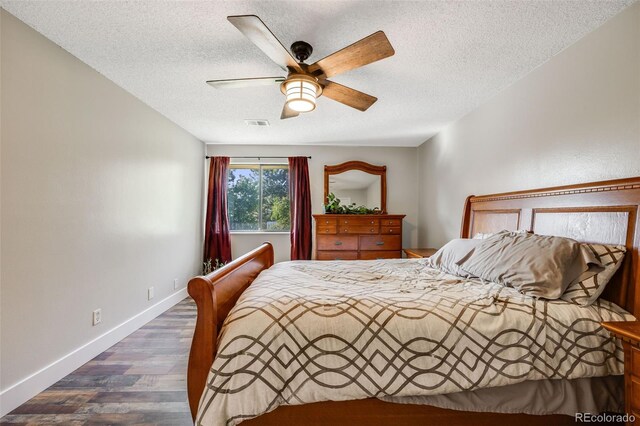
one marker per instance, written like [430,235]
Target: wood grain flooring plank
[137,396]
[29,408]
[53,396]
[104,381]
[93,368]
[44,419]
[151,369]
[145,408]
[136,419]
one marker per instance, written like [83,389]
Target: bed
[601,212]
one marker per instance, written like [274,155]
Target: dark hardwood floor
[139,381]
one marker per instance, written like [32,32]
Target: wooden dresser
[351,237]
[629,333]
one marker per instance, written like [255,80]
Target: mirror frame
[363,167]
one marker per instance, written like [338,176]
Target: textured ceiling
[450,57]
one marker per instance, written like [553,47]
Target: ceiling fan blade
[255,30]
[237,83]
[288,113]
[370,49]
[348,96]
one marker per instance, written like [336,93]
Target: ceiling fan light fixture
[306,83]
[301,92]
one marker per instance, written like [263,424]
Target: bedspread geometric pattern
[314,331]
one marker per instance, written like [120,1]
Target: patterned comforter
[314,331]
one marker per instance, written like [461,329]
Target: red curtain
[217,243]
[300,197]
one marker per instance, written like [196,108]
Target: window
[258,197]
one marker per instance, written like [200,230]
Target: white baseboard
[27,388]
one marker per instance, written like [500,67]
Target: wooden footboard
[215,294]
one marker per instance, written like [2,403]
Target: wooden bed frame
[601,212]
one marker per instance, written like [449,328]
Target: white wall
[100,199]
[574,119]
[401,187]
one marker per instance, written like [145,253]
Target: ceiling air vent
[256,122]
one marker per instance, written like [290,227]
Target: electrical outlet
[175,283]
[97,316]
[150,293]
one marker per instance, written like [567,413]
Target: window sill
[259,232]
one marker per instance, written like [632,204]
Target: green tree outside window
[258,198]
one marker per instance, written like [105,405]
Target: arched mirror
[357,182]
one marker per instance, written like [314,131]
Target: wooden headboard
[599,212]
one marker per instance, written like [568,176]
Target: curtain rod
[255,156]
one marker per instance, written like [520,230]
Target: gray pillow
[537,265]
[446,259]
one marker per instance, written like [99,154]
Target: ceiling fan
[305,83]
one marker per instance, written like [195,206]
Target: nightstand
[629,333]
[419,252]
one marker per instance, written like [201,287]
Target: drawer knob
[338,243]
[379,243]
[372,222]
[371,230]
[326,221]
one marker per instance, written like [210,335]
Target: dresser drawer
[358,221]
[391,222]
[336,255]
[380,254]
[337,242]
[326,229]
[381,242]
[390,230]
[326,222]
[358,229]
